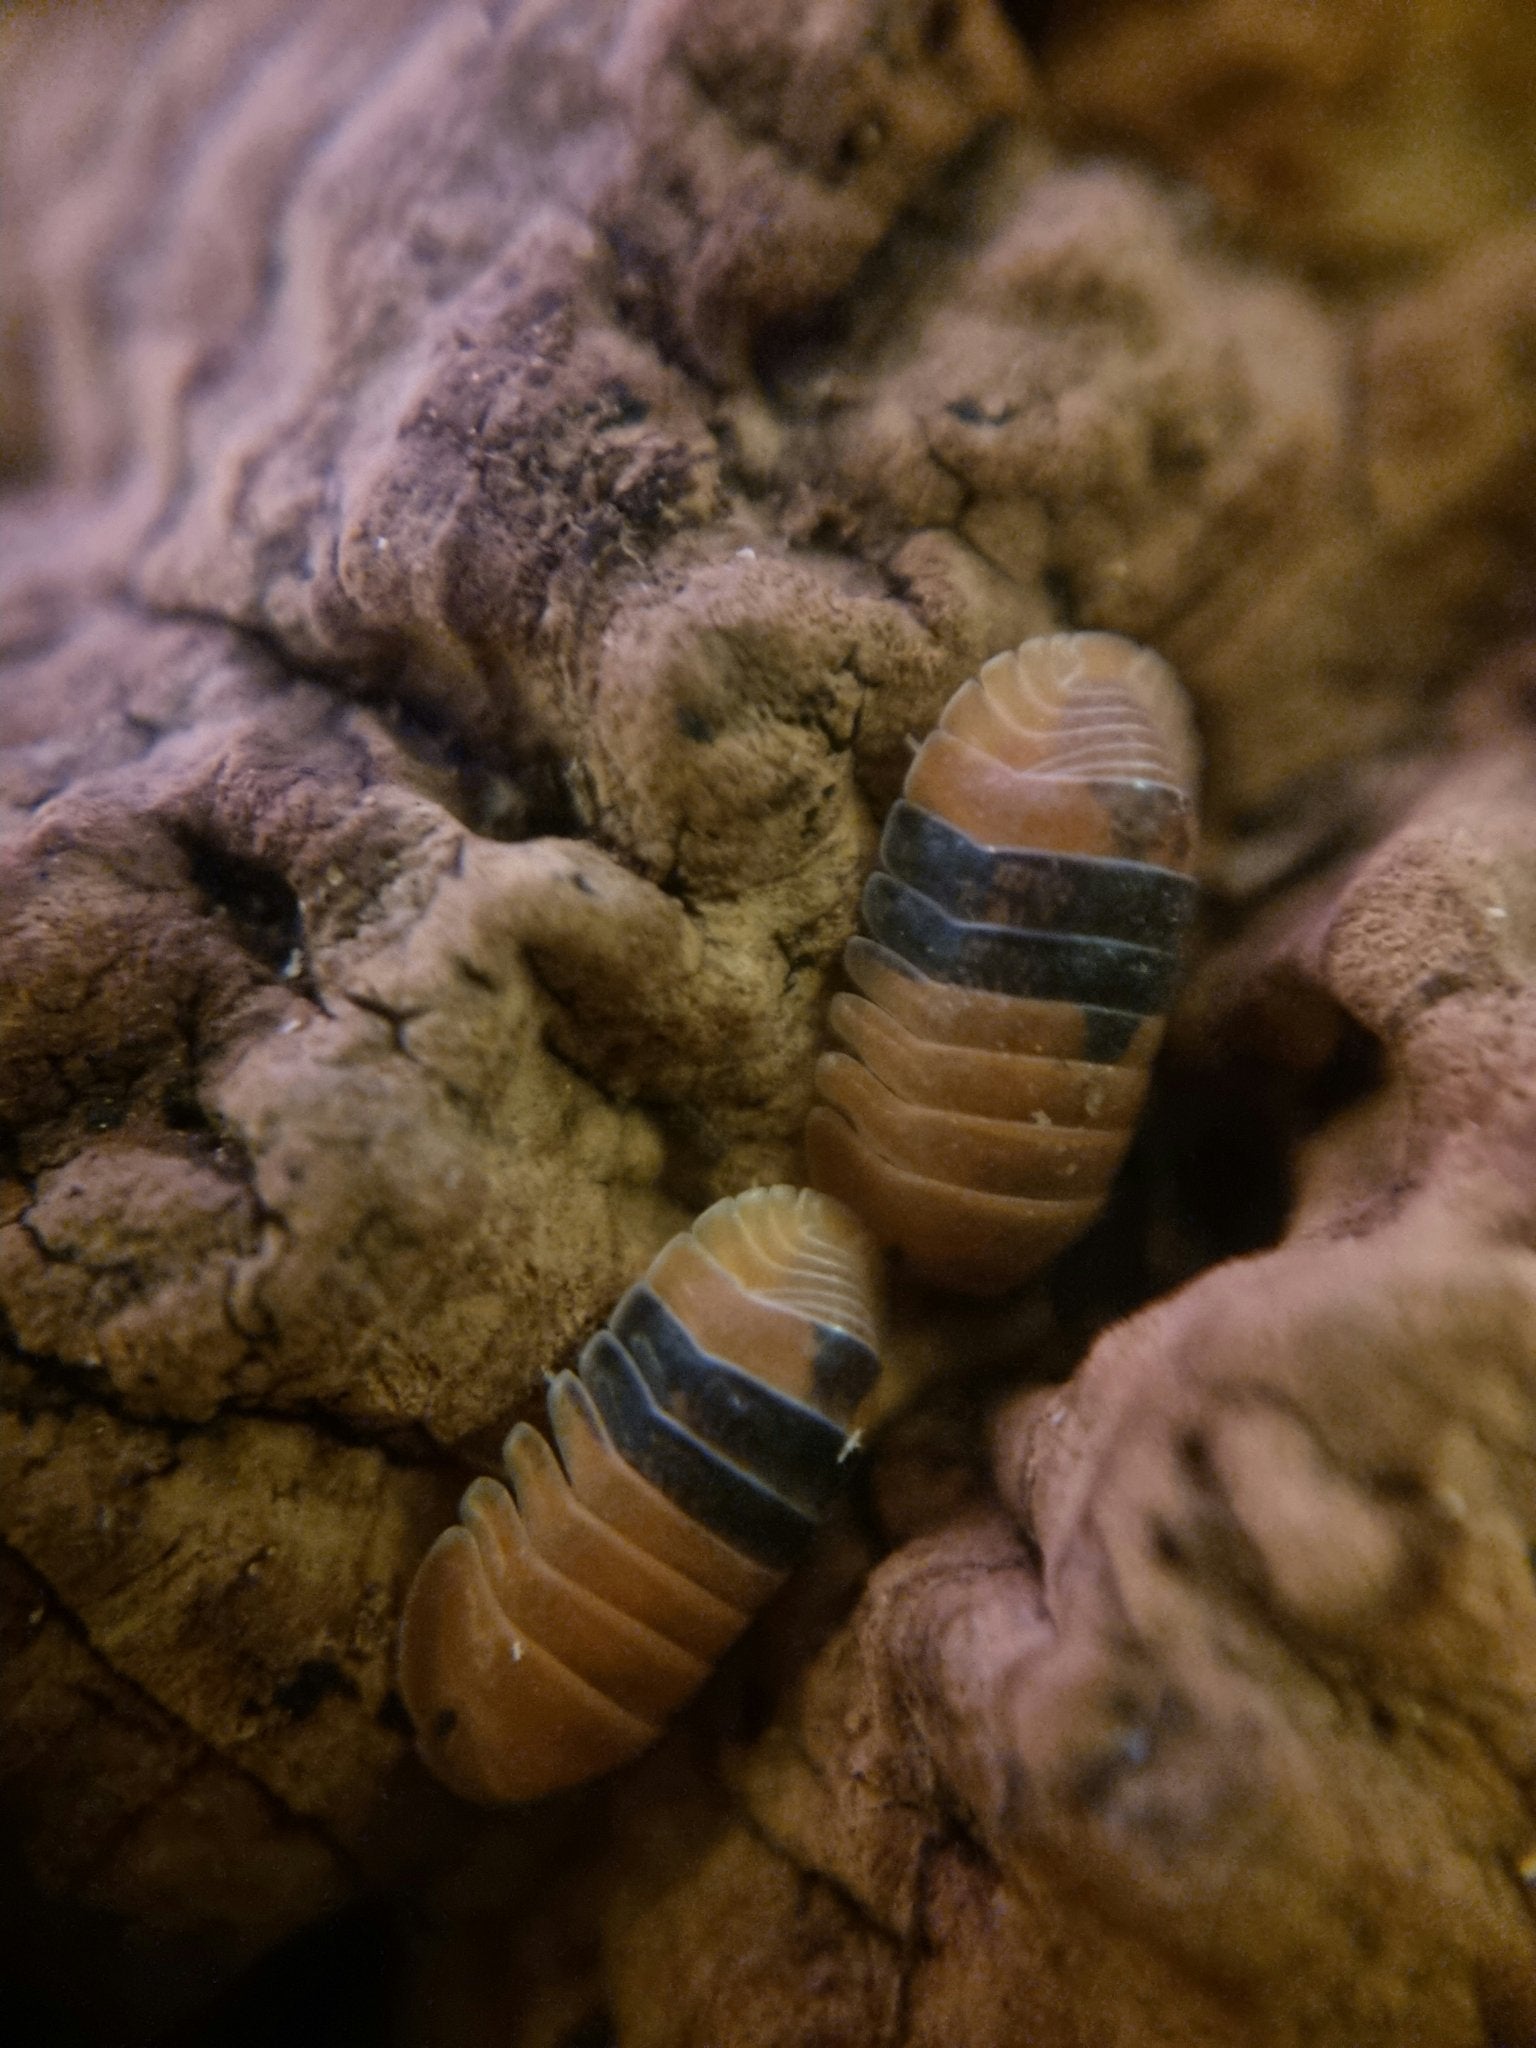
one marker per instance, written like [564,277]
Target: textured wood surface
[492,495]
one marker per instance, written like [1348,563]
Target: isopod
[550,1633]
[1021,944]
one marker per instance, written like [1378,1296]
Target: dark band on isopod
[739,1508]
[1018,886]
[791,1449]
[842,1370]
[1053,967]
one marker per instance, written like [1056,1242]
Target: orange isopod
[550,1632]
[1021,945]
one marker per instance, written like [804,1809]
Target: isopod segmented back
[550,1633]
[1021,944]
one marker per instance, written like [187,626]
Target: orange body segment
[579,1546]
[1065,687]
[815,1273]
[1112,743]
[997,806]
[982,1083]
[635,1667]
[496,1716]
[956,1236]
[1000,1156]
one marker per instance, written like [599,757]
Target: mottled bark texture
[508,483]
[1362,138]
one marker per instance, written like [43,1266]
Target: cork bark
[493,493]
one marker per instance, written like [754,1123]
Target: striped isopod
[552,1630]
[1022,943]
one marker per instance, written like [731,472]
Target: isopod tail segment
[551,1632]
[1021,942]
